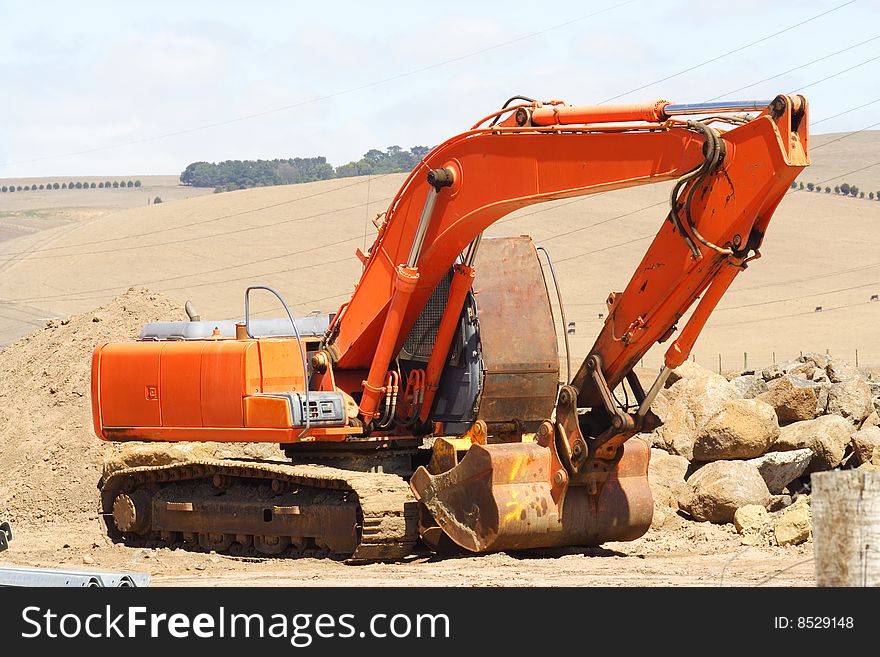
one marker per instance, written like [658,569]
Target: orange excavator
[431,406]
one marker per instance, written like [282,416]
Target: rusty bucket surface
[498,498]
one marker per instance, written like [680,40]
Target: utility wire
[196,238]
[729,52]
[344,92]
[182,226]
[791,70]
[6,256]
[69,295]
[846,70]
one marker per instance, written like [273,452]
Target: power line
[730,52]
[284,108]
[237,231]
[849,134]
[70,297]
[846,70]
[791,70]
[107,240]
[800,298]
[798,314]
[851,109]
[191,224]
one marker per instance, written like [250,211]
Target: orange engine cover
[143,390]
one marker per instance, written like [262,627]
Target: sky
[110,88]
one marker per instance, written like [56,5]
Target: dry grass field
[820,250]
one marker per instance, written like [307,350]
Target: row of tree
[843,190]
[115,184]
[242,174]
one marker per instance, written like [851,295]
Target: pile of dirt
[51,459]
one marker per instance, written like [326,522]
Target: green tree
[861,194]
[853,191]
[4,189]
[844,189]
[100,185]
[42,187]
[12,188]
[870,196]
[56,186]
[137,183]
[827,190]
[63,185]
[92,185]
[158,199]
[810,186]
[115,184]
[27,188]
[106,184]
[801,186]
[794,185]
[129,184]
[18,189]
[79,185]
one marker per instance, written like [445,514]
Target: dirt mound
[51,459]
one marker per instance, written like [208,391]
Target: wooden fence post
[846,527]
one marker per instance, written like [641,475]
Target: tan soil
[52,463]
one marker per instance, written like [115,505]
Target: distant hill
[820,251]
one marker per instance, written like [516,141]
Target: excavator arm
[728,185]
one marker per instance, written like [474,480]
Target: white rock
[778,469]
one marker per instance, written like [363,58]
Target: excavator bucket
[499,497]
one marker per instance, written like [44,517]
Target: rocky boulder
[840,371]
[666,476]
[795,399]
[750,519]
[851,399]
[790,526]
[781,468]
[873,420]
[719,488]
[866,443]
[821,361]
[741,429]
[689,403]
[779,369]
[749,386]
[794,525]
[826,437]
[688,370]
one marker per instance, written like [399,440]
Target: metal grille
[421,338]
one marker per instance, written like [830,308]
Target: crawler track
[263,508]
